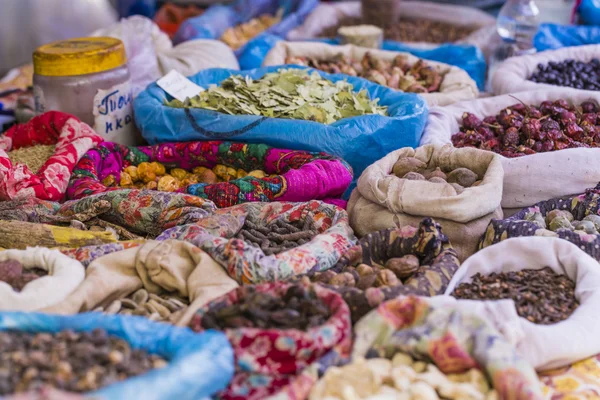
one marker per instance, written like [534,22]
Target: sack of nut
[422,24]
[534,132]
[550,70]
[36,278]
[460,188]
[282,335]
[554,286]
[391,263]
[574,219]
[445,84]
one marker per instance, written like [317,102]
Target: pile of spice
[287,93]
[570,73]
[400,378]
[396,74]
[68,360]
[299,308]
[17,276]
[237,36]
[541,295]
[156,308]
[414,169]
[277,236]
[154,176]
[412,30]
[33,156]
[522,129]
[556,220]
[393,273]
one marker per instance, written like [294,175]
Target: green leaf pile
[287,93]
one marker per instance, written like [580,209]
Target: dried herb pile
[540,295]
[299,308]
[33,156]
[13,273]
[70,361]
[287,93]
[397,74]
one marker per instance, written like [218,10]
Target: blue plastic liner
[218,18]
[199,364]
[554,36]
[359,140]
[589,12]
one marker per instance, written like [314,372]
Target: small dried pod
[413,176]
[344,279]
[436,173]
[386,278]
[408,164]
[403,267]
[463,176]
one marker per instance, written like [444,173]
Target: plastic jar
[88,78]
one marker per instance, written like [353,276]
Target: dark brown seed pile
[278,236]
[540,295]
[70,361]
[13,273]
[413,30]
[299,308]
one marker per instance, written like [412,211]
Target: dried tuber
[403,267]
[463,176]
[414,176]
[409,164]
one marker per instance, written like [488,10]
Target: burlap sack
[512,75]
[456,86]
[382,200]
[533,178]
[328,15]
[169,266]
[64,275]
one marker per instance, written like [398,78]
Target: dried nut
[343,279]
[364,269]
[162,310]
[366,281]
[140,297]
[403,267]
[113,307]
[406,165]
[128,303]
[435,179]
[419,366]
[463,176]
[401,359]
[459,189]
[413,176]
[115,357]
[386,278]
[436,173]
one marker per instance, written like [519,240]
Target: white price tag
[178,86]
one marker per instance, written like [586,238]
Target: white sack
[150,53]
[64,275]
[328,15]
[457,85]
[545,346]
[512,75]
[528,179]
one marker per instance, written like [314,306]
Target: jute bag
[382,200]
[533,178]
[456,85]
[512,75]
[544,346]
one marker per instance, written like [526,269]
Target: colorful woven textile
[73,139]
[455,341]
[282,362]
[300,175]
[578,381]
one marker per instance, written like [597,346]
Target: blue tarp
[554,36]
[358,140]
[218,18]
[199,364]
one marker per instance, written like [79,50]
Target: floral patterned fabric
[438,259]
[248,264]
[282,362]
[453,340]
[516,225]
[85,255]
[579,381]
[73,139]
[296,171]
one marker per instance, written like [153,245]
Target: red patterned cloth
[282,362]
[73,139]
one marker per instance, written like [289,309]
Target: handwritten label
[178,86]
[39,100]
[113,114]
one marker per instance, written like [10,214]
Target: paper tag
[113,114]
[178,86]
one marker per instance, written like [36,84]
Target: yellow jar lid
[79,56]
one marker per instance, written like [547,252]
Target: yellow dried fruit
[178,173]
[109,181]
[199,170]
[220,171]
[125,179]
[168,184]
[133,173]
[207,177]
[150,185]
[231,174]
[158,168]
[241,173]
[258,174]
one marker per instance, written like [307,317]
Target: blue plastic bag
[218,18]
[199,364]
[358,140]
[589,12]
[554,36]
